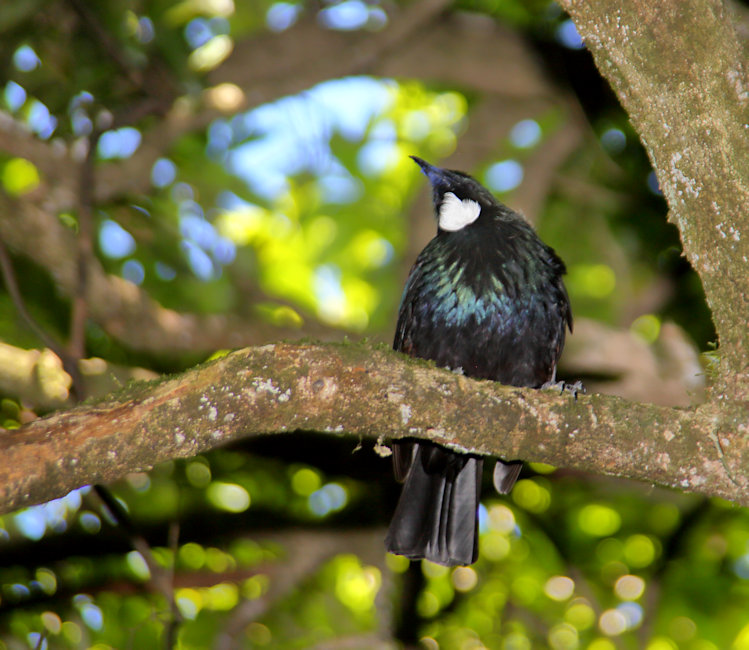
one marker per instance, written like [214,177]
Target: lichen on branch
[361,390]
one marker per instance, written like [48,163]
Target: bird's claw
[563,387]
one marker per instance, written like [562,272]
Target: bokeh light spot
[427,604]
[221,597]
[598,520]
[542,468]
[133,271]
[189,602]
[198,473]
[225,97]
[163,173]
[137,564]
[653,184]
[629,587]
[90,522]
[682,628]
[592,280]
[568,36]
[14,95]
[531,496]
[305,481]
[228,496]
[258,634]
[282,15]
[612,622]
[192,556]
[92,616]
[563,637]
[397,563]
[429,643]
[25,59]
[464,578]
[356,586]
[327,499]
[525,134]
[47,580]
[211,54]
[613,140]
[639,551]
[501,518]
[348,15]
[559,587]
[19,176]
[119,143]
[52,622]
[632,613]
[504,176]
[495,546]
[580,614]
[114,241]
[31,523]
[647,327]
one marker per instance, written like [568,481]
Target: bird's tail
[437,514]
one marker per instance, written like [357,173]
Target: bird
[484,298]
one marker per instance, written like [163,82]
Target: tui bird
[485,297]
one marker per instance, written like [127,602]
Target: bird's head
[458,198]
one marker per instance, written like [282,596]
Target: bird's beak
[436,175]
[425,166]
[430,171]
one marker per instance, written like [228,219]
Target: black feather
[437,520]
[486,299]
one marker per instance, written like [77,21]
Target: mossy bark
[373,392]
[680,71]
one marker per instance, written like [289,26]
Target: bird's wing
[402,341]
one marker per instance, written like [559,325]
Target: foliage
[567,563]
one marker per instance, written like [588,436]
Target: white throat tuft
[456,214]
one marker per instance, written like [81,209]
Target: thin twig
[673,548]
[157,88]
[85,250]
[161,578]
[11,285]
[41,640]
[307,551]
[105,41]
[175,617]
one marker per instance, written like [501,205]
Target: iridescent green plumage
[486,299]
[489,296]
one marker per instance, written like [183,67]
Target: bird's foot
[573,389]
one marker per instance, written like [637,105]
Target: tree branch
[370,392]
[123,309]
[30,225]
[35,377]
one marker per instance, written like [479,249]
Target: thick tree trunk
[681,74]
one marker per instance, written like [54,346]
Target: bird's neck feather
[455,214]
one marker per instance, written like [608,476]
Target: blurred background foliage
[221,215]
